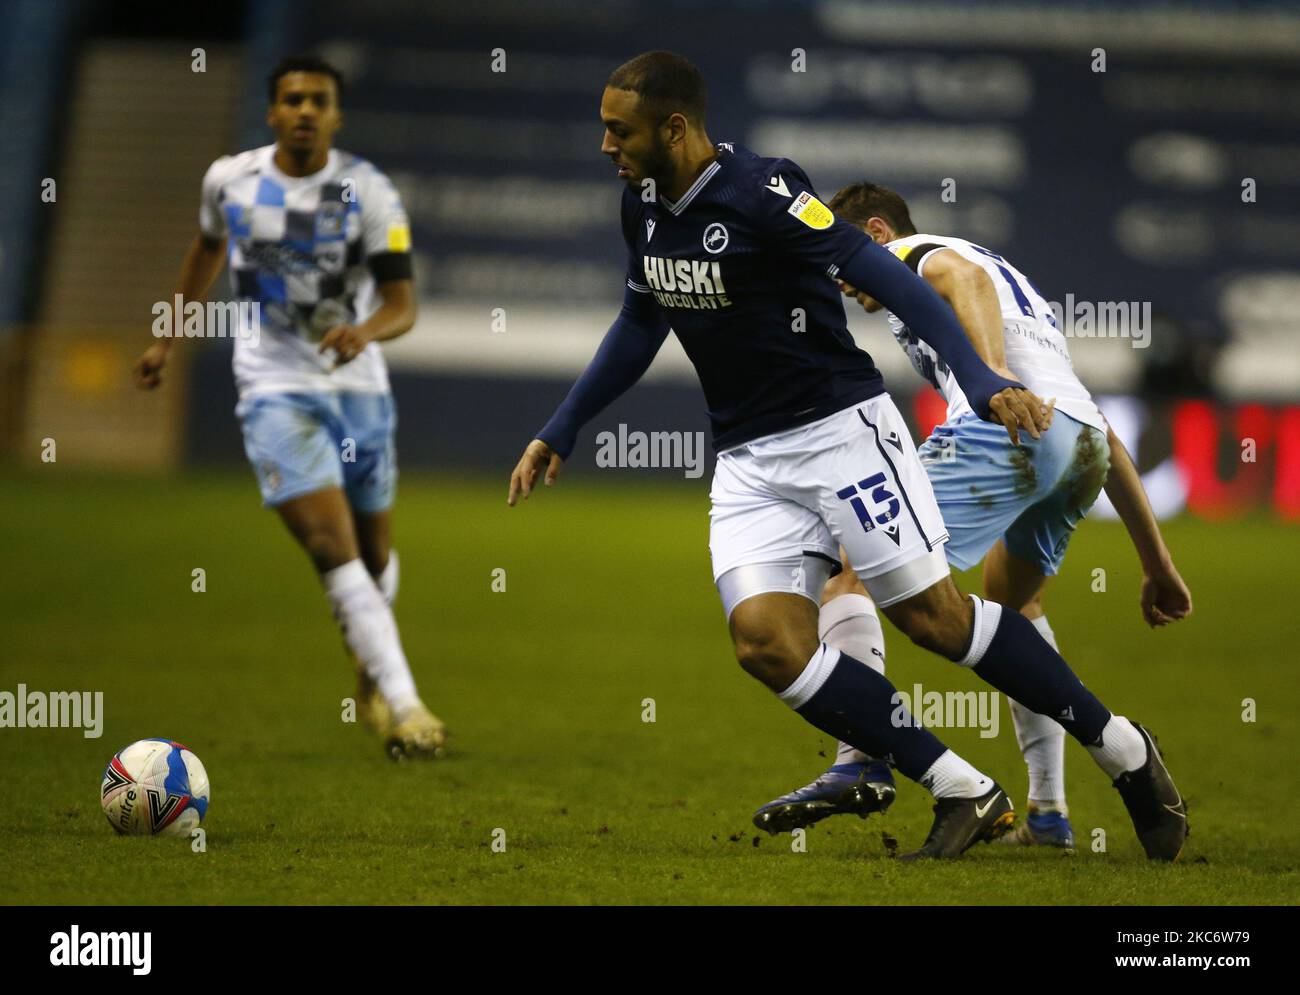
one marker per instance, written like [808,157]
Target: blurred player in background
[737,255]
[319,240]
[1012,505]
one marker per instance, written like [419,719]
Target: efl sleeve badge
[812,211]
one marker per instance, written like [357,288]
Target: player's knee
[1033,608]
[996,587]
[940,623]
[1004,592]
[327,547]
[773,657]
[761,657]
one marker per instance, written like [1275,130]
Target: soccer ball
[154,788]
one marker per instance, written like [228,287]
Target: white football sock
[849,623]
[389,580]
[1122,748]
[952,777]
[371,632]
[846,754]
[1042,742]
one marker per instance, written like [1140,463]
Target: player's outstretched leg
[859,785]
[1005,650]
[775,636]
[322,523]
[855,784]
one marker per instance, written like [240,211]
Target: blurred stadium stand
[1115,186]
[142,126]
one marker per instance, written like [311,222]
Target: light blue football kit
[1032,495]
[309,251]
[302,443]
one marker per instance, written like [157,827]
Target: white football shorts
[782,505]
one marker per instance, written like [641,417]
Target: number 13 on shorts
[880,496]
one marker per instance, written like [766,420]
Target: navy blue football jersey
[742,266]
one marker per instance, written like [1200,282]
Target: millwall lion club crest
[716,238]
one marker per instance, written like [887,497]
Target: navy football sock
[846,699]
[1009,653]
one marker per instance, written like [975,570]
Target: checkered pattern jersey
[308,250]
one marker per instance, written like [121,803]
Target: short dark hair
[302,64]
[858,203]
[666,82]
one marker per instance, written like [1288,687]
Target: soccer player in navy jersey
[1013,507]
[737,255]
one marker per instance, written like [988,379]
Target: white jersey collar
[321,175]
[693,190]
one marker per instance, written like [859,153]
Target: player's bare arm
[394,317]
[199,269]
[1014,407]
[1165,598]
[971,294]
[975,305]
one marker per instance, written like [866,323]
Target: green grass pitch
[608,601]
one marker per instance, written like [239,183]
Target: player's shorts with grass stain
[300,443]
[1032,495]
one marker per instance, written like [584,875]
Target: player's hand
[347,341]
[1020,407]
[869,303]
[147,372]
[1165,598]
[535,457]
